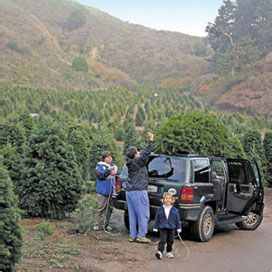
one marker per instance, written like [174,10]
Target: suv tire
[251,222]
[203,228]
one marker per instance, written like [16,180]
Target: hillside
[252,96]
[40,39]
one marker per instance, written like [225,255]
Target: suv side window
[237,173]
[200,170]
[256,173]
[217,167]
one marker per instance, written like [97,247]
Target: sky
[185,16]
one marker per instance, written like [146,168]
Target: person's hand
[150,136]
[113,172]
[179,231]
[155,230]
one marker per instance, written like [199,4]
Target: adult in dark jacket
[136,191]
[105,172]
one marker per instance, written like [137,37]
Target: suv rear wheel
[203,228]
[251,222]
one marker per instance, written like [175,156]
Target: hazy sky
[186,16]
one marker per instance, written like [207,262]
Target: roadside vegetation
[51,141]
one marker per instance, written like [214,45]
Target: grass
[56,244]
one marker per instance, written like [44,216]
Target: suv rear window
[172,168]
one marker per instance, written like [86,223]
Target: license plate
[152,188]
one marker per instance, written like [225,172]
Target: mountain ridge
[131,54]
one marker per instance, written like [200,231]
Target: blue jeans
[138,211]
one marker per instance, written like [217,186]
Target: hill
[252,95]
[40,41]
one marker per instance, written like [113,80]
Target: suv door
[241,186]
[219,180]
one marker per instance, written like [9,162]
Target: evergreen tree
[50,183]
[253,147]
[267,143]
[80,146]
[12,147]
[253,18]
[220,33]
[140,117]
[101,140]
[10,233]
[197,132]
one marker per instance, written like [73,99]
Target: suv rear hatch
[166,174]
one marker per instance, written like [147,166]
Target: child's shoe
[108,228]
[158,255]
[96,228]
[170,254]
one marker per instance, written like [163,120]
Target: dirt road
[229,250]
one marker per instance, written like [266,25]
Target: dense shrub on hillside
[86,213]
[76,20]
[12,133]
[268,154]
[103,139]
[11,148]
[253,146]
[197,132]
[10,234]
[79,64]
[50,183]
[81,149]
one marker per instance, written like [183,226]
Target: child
[167,220]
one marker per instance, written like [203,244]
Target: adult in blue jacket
[136,191]
[105,172]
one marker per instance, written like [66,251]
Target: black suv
[209,191]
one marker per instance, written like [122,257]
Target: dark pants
[166,236]
[104,210]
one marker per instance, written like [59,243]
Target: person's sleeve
[143,159]
[178,224]
[156,222]
[101,172]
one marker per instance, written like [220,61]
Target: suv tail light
[187,195]
[118,185]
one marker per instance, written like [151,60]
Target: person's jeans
[138,211]
[166,236]
[104,210]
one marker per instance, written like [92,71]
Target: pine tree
[80,146]
[140,117]
[267,143]
[102,140]
[253,147]
[197,132]
[50,183]
[10,234]
[220,33]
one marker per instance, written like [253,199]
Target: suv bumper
[188,212]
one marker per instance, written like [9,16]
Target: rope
[188,251]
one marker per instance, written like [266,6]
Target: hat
[106,154]
[131,151]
